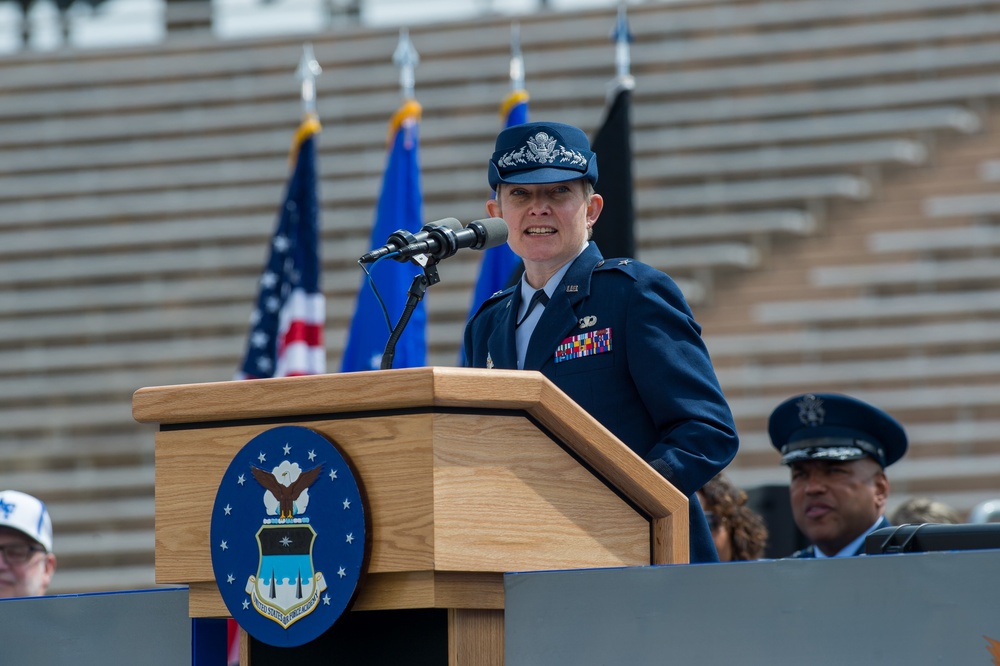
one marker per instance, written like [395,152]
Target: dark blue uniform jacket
[655,389]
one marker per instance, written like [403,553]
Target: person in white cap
[26,559]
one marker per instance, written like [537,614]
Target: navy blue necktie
[538,297]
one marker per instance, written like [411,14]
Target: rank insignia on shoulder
[584,344]
[624,262]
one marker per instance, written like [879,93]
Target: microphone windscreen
[495,229]
[448,222]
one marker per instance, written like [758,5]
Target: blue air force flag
[400,206]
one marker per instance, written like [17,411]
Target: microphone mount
[434,242]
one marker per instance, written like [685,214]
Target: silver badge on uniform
[542,148]
[588,321]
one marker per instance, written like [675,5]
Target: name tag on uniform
[584,344]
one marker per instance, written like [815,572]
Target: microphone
[442,242]
[401,238]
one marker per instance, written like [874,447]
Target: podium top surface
[342,392]
[283,399]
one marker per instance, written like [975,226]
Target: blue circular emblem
[289,536]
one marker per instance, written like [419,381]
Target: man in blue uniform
[837,448]
[615,335]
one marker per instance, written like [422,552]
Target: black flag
[614,232]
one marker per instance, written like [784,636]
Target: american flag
[286,326]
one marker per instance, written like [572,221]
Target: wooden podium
[468,474]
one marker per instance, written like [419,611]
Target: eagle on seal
[286,494]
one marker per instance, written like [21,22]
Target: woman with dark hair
[738,532]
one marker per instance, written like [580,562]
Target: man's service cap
[830,426]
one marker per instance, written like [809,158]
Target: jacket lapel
[501,344]
[559,319]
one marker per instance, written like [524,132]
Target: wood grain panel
[475,637]
[508,498]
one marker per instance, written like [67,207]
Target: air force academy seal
[290,536]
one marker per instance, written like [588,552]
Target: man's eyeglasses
[19,553]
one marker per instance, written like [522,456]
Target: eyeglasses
[19,553]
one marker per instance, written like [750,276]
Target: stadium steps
[894,302]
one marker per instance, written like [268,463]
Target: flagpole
[380,296]
[406,59]
[516,58]
[307,72]
[286,326]
[500,267]
[615,234]
[622,37]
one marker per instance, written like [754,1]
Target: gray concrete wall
[932,608]
[150,627]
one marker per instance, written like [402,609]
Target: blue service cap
[542,152]
[829,426]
